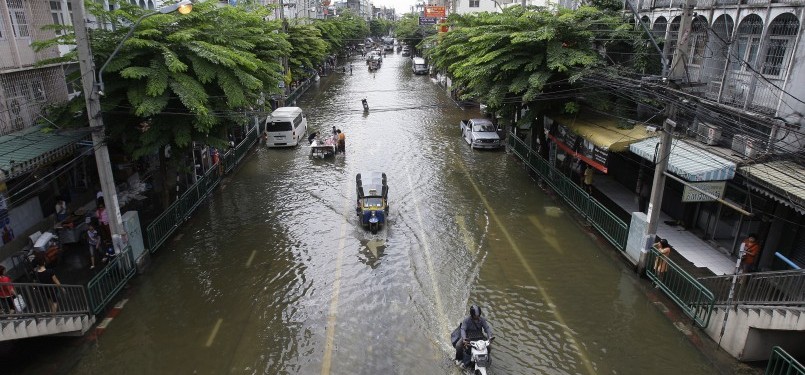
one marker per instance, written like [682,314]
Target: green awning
[28,149]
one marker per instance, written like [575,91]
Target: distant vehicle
[375,62]
[285,126]
[406,51]
[373,193]
[419,66]
[480,133]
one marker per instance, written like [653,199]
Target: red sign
[434,12]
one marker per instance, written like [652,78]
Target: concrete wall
[751,332]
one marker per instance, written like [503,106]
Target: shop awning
[778,180]
[603,131]
[687,161]
[28,149]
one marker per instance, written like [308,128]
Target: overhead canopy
[25,150]
[603,131]
[688,161]
[778,180]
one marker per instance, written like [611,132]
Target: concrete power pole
[677,71]
[92,98]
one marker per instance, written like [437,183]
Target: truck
[480,133]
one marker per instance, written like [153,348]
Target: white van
[286,126]
[419,66]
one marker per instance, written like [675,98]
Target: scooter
[365,105]
[479,354]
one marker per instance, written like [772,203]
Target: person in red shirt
[750,249]
[7,293]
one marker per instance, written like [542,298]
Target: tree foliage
[307,51]
[529,56]
[380,27]
[410,32]
[339,31]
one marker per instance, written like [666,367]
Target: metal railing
[615,230]
[782,363]
[39,299]
[169,220]
[292,97]
[110,280]
[780,288]
[689,294]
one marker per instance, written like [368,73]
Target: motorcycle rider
[472,328]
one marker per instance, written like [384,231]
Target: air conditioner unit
[708,134]
[747,146]
[738,143]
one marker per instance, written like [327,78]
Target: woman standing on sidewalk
[48,277]
[660,265]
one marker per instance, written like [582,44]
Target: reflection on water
[275,275]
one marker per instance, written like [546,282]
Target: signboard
[692,195]
[428,21]
[434,12]
[579,147]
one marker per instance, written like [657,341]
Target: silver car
[480,133]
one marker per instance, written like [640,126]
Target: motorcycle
[478,350]
[365,105]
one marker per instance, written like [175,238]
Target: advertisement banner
[434,12]
[692,195]
[427,21]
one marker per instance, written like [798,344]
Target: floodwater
[274,275]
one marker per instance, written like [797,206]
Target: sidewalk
[686,244]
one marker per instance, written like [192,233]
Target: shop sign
[434,11]
[579,147]
[427,21]
[692,195]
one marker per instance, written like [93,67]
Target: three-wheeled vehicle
[375,63]
[373,204]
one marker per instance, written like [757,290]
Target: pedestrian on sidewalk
[749,251]
[93,240]
[7,293]
[660,265]
[588,179]
[48,277]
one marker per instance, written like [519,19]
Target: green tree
[184,78]
[339,31]
[379,27]
[410,32]
[529,57]
[308,50]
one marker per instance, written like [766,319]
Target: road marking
[333,312]
[548,235]
[251,258]
[214,332]
[431,270]
[466,235]
[568,333]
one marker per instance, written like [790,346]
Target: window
[699,41]
[782,32]
[475,3]
[745,52]
[19,22]
[57,14]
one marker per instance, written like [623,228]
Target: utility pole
[284,59]
[677,71]
[91,96]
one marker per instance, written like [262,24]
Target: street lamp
[93,91]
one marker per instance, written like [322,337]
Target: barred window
[782,32]
[747,43]
[19,22]
[475,3]
[698,41]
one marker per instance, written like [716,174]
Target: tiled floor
[688,245]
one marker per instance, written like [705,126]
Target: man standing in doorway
[749,250]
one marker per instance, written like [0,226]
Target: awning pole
[726,203]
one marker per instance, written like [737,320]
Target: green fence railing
[110,280]
[615,230]
[689,294]
[782,363]
[169,220]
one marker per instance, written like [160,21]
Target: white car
[480,133]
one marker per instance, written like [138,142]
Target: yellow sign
[434,11]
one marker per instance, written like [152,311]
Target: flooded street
[274,275]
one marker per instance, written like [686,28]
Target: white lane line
[251,259]
[548,235]
[332,314]
[546,298]
[469,243]
[214,332]
[445,326]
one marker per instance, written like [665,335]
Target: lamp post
[93,92]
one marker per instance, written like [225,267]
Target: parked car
[418,66]
[480,133]
[406,51]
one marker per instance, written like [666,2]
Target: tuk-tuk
[373,207]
